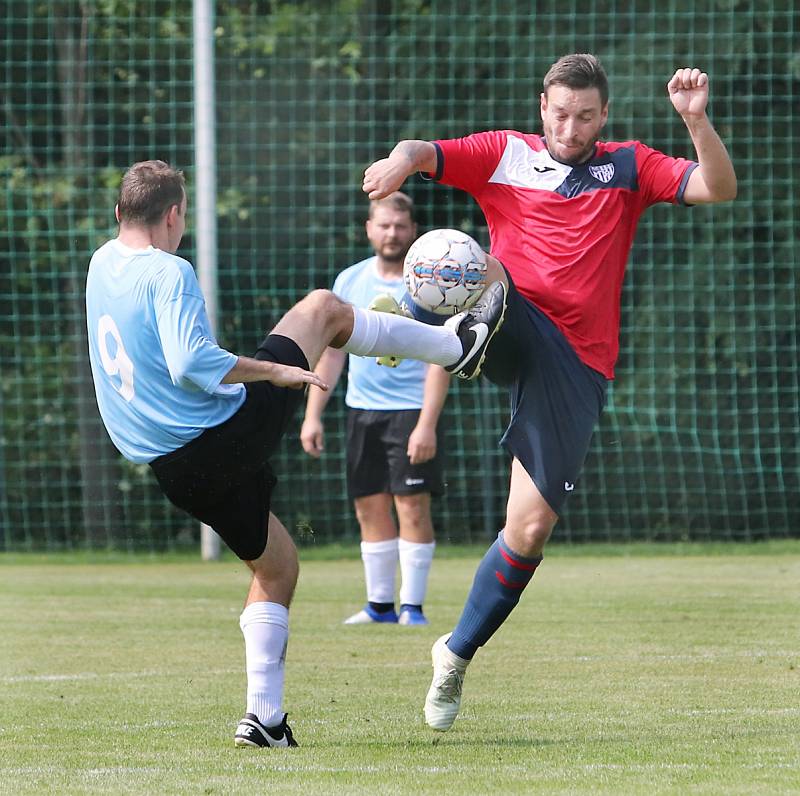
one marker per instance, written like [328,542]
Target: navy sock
[382,608]
[499,581]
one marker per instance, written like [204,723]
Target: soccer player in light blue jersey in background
[207,420]
[392,454]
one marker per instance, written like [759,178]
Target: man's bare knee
[528,538]
[317,299]
[495,272]
[323,305]
[319,319]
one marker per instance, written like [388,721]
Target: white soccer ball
[445,271]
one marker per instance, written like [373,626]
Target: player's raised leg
[321,319]
[500,579]
[265,626]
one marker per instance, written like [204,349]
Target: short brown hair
[148,190]
[579,70]
[397,201]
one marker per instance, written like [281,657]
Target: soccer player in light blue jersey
[392,456]
[207,420]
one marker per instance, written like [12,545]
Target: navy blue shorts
[556,399]
[377,458]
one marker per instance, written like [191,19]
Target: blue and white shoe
[368,616]
[411,615]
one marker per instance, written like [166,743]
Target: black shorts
[556,399]
[223,477]
[377,458]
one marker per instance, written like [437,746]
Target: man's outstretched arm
[715,179]
[387,175]
[247,369]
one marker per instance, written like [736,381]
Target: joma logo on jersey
[604,172]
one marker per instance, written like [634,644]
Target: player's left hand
[385,176]
[421,445]
[688,91]
[294,377]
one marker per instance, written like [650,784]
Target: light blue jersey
[156,366]
[370,385]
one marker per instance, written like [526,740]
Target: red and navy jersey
[564,232]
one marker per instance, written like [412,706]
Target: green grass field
[626,670]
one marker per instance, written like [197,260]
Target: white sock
[380,333]
[415,566]
[266,632]
[380,568]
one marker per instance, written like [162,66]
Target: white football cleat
[444,695]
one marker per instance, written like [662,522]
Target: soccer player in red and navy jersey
[562,210]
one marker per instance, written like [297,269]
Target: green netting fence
[700,438]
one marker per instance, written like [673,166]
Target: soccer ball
[445,271]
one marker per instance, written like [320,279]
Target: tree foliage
[701,432]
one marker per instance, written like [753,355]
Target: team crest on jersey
[604,172]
